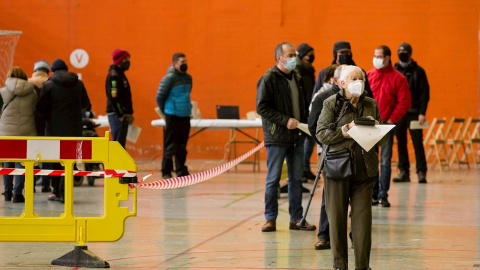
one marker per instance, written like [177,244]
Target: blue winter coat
[173,96]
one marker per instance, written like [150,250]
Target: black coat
[60,104]
[121,101]
[418,84]
[274,105]
[317,106]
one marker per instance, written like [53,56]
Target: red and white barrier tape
[106,173]
[198,177]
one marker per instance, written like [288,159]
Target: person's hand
[389,121]
[421,119]
[351,125]
[292,123]
[376,122]
[130,119]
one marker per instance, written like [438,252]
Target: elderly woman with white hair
[336,118]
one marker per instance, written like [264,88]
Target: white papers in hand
[368,136]
[416,125]
[133,133]
[304,127]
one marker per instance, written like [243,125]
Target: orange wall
[230,44]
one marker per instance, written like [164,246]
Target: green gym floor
[217,225]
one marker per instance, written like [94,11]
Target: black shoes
[422,177]
[46,189]
[309,175]
[383,202]
[404,176]
[167,176]
[18,198]
[8,195]
[375,202]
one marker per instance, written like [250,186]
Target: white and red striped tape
[198,177]
[106,173]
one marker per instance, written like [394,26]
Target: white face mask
[378,63]
[356,88]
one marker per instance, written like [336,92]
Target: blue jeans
[19,179]
[118,128]
[308,150]
[276,154]
[385,168]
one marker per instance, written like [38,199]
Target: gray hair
[346,71]
[337,72]
[279,49]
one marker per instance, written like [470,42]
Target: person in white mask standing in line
[282,104]
[390,89]
[336,118]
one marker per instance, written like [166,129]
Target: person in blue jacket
[173,100]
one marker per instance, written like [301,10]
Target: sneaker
[383,202]
[404,176]
[422,177]
[322,244]
[269,226]
[18,198]
[309,175]
[375,202]
[52,197]
[306,227]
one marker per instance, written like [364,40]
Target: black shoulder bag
[338,164]
[4,107]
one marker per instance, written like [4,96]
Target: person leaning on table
[358,189]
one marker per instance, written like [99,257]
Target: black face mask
[311,58]
[345,59]
[125,65]
[183,67]
[335,87]
[403,57]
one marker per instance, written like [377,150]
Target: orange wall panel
[230,44]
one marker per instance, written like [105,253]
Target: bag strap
[4,107]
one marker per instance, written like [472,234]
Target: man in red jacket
[390,90]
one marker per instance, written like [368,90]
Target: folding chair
[436,141]
[455,138]
[472,138]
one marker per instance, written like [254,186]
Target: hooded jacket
[274,105]
[173,95]
[418,84]
[390,89]
[60,104]
[18,117]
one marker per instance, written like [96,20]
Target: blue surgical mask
[291,63]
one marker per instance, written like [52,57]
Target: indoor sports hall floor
[217,225]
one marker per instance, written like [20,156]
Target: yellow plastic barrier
[29,227]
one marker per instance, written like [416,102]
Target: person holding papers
[420,90]
[336,119]
[282,104]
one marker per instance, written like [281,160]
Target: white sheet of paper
[304,127]
[133,133]
[368,136]
[416,125]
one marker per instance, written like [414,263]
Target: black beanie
[303,49]
[58,64]
[405,46]
[340,45]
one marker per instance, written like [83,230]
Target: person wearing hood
[332,130]
[62,98]
[305,58]
[41,69]
[282,104]
[173,100]
[420,91]
[119,97]
[19,100]
[342,55]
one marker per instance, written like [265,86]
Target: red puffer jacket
[390,90]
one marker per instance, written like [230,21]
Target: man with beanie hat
[342,55]
[60,104]
[305,57]
[173,100]
[420,91]
[119,97]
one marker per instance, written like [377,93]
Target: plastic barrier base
[81,257]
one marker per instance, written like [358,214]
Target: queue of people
[394,94]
